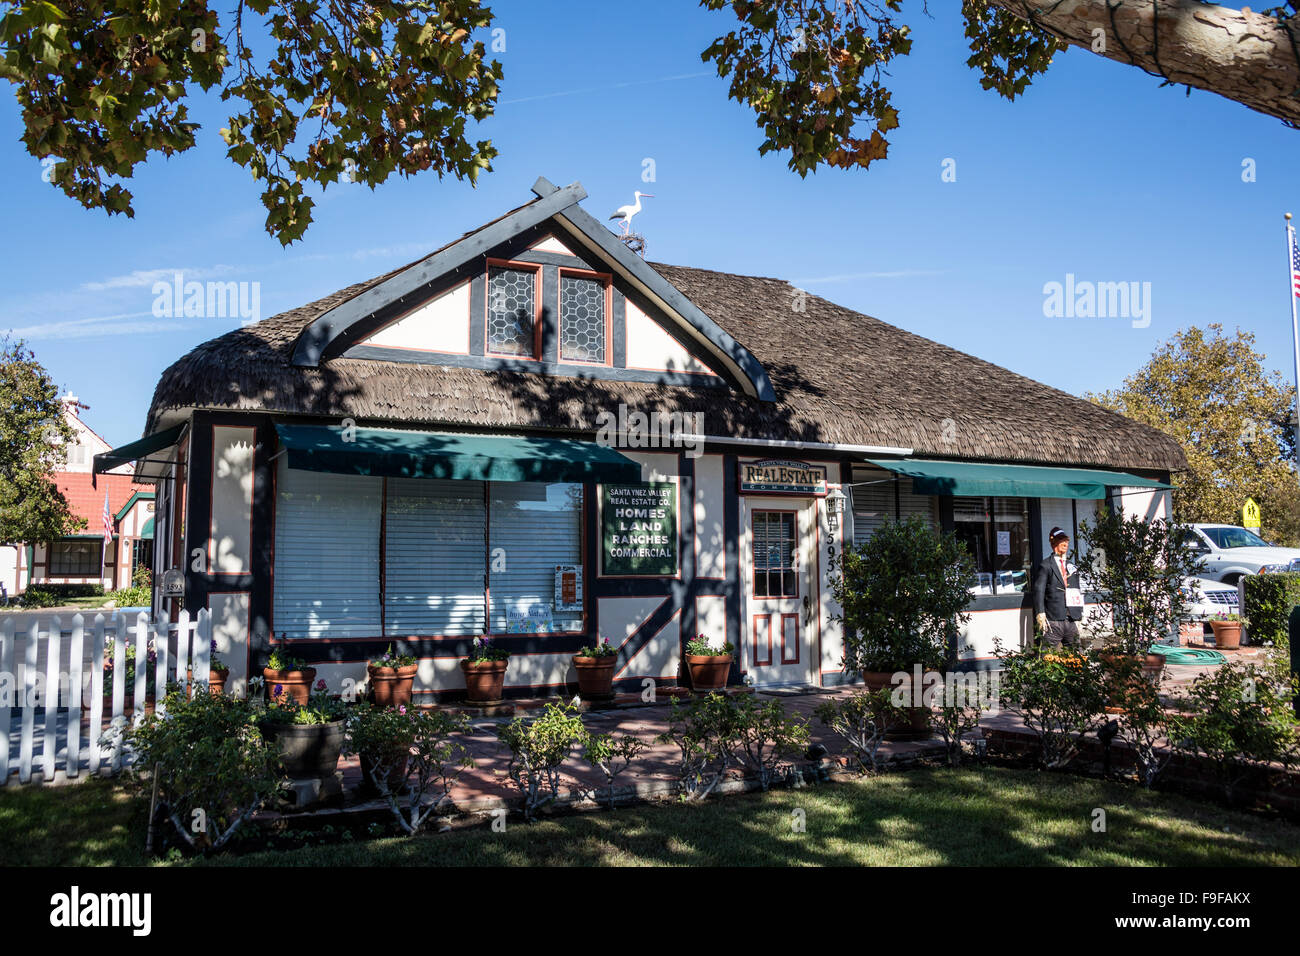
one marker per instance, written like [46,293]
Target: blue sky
[1096,172]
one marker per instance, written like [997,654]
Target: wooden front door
[779,597]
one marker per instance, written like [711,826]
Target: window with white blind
[326,554]
[887,499]
[534,527]
[434,557]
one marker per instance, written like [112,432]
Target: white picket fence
[61,674]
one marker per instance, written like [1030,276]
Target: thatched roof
[839,376]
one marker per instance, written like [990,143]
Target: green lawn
[991,816]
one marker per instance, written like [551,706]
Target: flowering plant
[320,708]
[483,650]
[214,662]
[283,661]
[1223,617]
[600,649]
[701,647]
[389,659]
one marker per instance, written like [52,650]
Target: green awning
[134,451]
[409,454]
[1012,481]
[147,530]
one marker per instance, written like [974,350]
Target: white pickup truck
[1230,552]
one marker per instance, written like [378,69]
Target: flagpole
[1295,328]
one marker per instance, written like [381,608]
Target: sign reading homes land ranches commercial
[640,529]
[781,476]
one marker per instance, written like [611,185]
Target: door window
[774,543]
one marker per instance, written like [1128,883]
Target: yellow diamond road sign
[1250,514]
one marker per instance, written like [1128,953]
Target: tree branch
[1247,57]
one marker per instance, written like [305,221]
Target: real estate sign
[639,529]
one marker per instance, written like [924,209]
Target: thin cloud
[855,276]
[147,277]
[95,326]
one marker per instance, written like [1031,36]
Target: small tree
[213,767]
[765,736]
[33,438]
[416,747]
[861,720]
[611,756]
[538,746]
[1143,723]
[1139,567]
[704,732]
[902,593]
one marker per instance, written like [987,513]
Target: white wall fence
[53,673]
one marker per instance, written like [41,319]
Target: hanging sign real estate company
[781,476]
[639,529]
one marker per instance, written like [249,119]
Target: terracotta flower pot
[295,684]
[1227,635]
[216,680]
[308,750]
[709,672]
[596,676]
[484,680]
[392,686]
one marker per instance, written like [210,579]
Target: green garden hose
[1187,655]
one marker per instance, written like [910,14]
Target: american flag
[1295,264]
[108,521]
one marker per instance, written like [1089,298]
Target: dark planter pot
[396,776]
[308,750]
[484,680]
[392,686]
[293,684]
[709,672]
[1227,635]
[596,676]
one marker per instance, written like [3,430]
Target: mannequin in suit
[1058,600]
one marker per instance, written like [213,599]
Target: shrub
[902,592]
[416,745]
[1139,567]
[1059,697]
[958,710]
[1143,723]
[611,756]
[39,597]
[703,732]
[214,769]
[538,746]
[765,735]
[1269,599]
[861,720]
[1241,715]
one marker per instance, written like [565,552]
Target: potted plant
[595,666]
[128,696]
[288,677]
[1227,631]
[893,632]
[381,738]
[709,665]
[1138,567]
[392,679]
[309,736]
[485,671]
[217,673]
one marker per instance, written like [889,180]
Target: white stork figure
[627,212]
